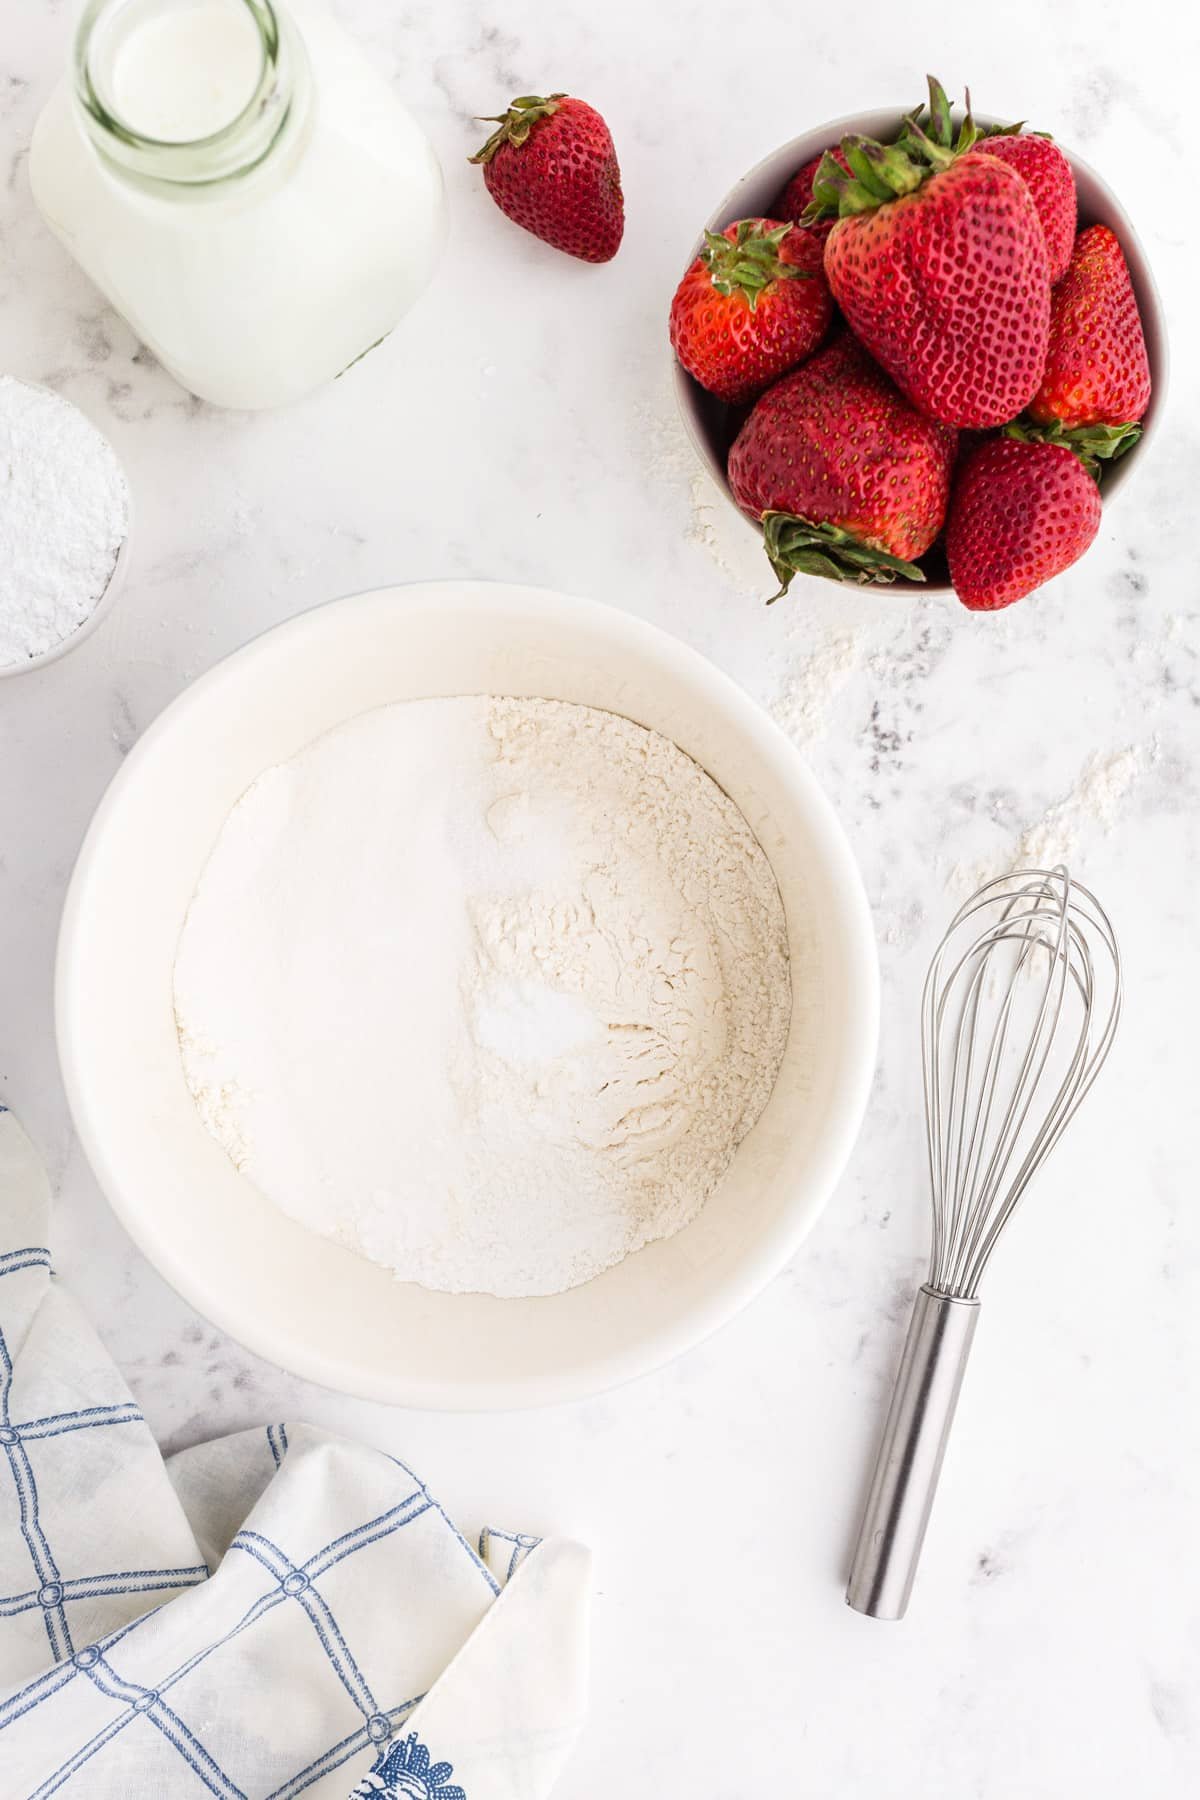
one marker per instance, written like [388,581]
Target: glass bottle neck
[188,93]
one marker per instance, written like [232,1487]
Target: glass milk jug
[243,186]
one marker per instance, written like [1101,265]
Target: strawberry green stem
[516,124]
[1092,444]
[940,126]
[749,262]
[925,144]
[795,546]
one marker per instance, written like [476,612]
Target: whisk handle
[910,1455]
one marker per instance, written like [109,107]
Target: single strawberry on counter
[848,480]
[753,304]
[1097,371]
[552,168]
[1020,514]
[796,197]
[1050,180]
[938,260]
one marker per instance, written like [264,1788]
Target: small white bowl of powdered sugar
[466,997]
[64,526]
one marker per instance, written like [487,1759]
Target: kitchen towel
[276,1613]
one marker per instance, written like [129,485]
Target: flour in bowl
[488,990]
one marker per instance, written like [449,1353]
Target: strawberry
[552,168]
[938,260]
[1097,371]
[1051,181]
[1021,513]
[797,195]
[754,303]
[848,479]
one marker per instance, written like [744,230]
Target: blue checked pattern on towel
[261,1616]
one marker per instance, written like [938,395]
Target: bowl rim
[799,150]
[764,1257]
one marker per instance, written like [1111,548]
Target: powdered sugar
[487,990]
[64,514]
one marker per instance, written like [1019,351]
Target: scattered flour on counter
[810,686]
[1095,801]
[670,459]
[488,990]
[716,529]
[666,454]
[64,514]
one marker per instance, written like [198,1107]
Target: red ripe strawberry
[754,303]
[848,479]
[939,263]
[1097,371]
[1051,180]
[1021,513]
[552,168]
[797,196]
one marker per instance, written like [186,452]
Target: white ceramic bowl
[96,617]
[712,426]
[306,1304]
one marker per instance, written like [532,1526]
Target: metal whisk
[1019,1011]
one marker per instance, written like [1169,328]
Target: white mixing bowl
[306,1304]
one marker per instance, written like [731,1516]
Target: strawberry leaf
[862,154]
[516,124]
[941,129]
[1092,444]
[879,172]
[750,261]
[835,193]
[797,546]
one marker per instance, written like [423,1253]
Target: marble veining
[521,426]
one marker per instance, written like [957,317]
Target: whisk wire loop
[1040,1043]
[1015,1026]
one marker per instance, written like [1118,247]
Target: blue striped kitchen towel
[272,1614]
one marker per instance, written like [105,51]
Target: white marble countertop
[521,426]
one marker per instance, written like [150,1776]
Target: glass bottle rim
[233,149]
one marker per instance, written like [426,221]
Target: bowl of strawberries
[921,349]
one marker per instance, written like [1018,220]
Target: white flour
[488,990]
[1094,801]
[64,513]
[810,687]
